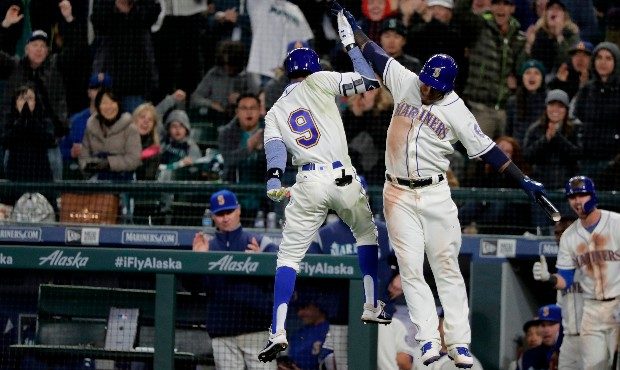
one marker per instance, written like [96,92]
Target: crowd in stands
[127,90]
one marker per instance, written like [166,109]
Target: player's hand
[532,188]
[344,30]
[540,270]
[279,194]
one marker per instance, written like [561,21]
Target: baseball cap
[445,3]
[530,323]
[553,2]
[557,95]
[38,35]
[223,200]
[95,83]
[550,312]
[532,63]
[396,25]
[584,46]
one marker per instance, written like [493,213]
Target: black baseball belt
[415,183]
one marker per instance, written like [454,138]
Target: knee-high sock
[368,256]
[282,293]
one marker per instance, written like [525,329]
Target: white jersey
[275,24]
[596,255]
[307,120]
[421,136]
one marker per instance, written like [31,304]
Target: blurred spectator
[111,144]
[236,343]
[552,36]
[365,123]
[493,60]
[596,106]
[230,20]
[552,144]
[374,12]
[52,17]
[612,28]
[393,39]
[440,35]
[177,44]
[125,50]
[71,145]
[574,73]
[275,24]
[219,89]
[584,14]
[46,73]
[480,6]
[241,143]
[12,25]
[532,337]
[485,214]
[528,102]
[413,13]
[540,357]
[146,119]
[27,138]
[305,343]
[178,150]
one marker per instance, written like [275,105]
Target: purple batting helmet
[439,72]
[301,62]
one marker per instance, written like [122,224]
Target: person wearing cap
[305,344]
[552,144]
[549,318]
[393,39]
[495,53]
[438,35]
[528,101]
[235,344]
[241,142]
[552,36]
[574,73]
[596,106]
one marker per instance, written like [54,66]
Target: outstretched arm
[373,52]
[501,163]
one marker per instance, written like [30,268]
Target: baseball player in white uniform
[306,121]
[421,217]
[591,247]
[571,302]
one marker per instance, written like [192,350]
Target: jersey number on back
[302,123]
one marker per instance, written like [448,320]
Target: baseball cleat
[376,315]
[461,356]
[430,352]
[277,343]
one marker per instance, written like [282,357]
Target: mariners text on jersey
[424,116]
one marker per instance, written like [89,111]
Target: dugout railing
[167,266]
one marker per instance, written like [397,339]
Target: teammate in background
[306,121]
[421,217]
[235,345]
[544,356]
[589,249]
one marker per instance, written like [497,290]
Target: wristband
[274,173]
[553,280]
[350,46]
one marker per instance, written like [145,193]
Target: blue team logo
[221,200]
[478,130]
[436,72]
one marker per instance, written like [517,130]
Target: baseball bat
[548,207]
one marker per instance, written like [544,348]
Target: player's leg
[570,353]
[443,243]
[304,214]
[226,353]
[598,334]
[407,239]
[351,204]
